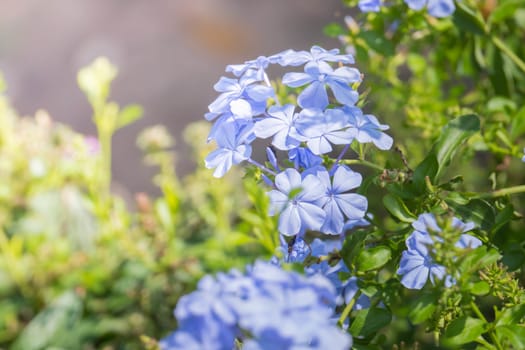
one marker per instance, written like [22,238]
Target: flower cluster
[435,8]
[236,307]
[417,264]
[311,190]
[346,289]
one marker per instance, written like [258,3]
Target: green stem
[363,162]
[361,151]
[502,192]
[481,317]
[510,54]
[348,309]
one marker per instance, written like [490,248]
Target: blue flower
[296,200]
[295,251]
[231,149]
[318,76]
[247,88]
[240,114]
[280,123]
[436,8]
[264,308]
[336,202]
[345,289]
[417,264]
[369,5]
[320,130]
[316,55]
[523,158]
[366,128]
[304,158]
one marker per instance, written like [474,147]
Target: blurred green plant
[78,269]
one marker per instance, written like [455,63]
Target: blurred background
[169,54]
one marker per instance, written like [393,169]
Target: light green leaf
[56,321]
[511,316]
[129,115]
[464,330]
[513,335]
[373,258]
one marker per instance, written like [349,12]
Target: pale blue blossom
[231,149]
[417,264]
[369,5]
[322,129]
[317,77]
[295,200]
[280,125]
[316,55]
[263,308]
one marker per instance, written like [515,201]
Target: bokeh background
[169,54]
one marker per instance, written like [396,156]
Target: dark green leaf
[373,258]
[352,247]
[368,321]
[478,211]
[464,330]
[452,136]
[428,167]
[503,218]
[397,208]
[467,20]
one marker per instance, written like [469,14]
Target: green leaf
[513,257]
[129,115]
[478,211]
[397,208]
[352,246]
[51,325]
[378,42]
[503,217]
[368,321]
[423,308]
[463,330]
[374,258]
[455,133]
[479,288]
[478,259]
[505,10]
[511,316]
[517,127]
[467,20]
[428,167]
[333,30]
[513,335]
